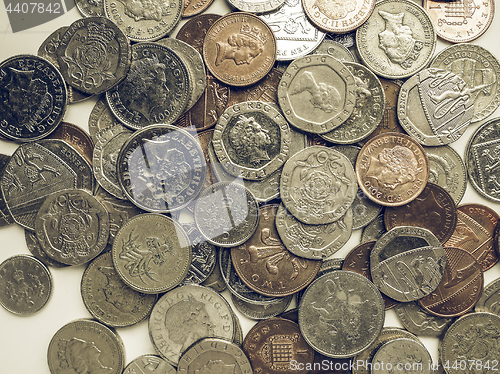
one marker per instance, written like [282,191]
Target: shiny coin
[100,119]
[76,137]
[25,284]
[374,230]
[5,215]
[149,364]
[398,351]
[416,320]
[194,7]
[260,311]
[490,299]
[90,8]
[334,49]
[193,31]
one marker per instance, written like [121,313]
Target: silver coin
[226,214]
[90,8]
[479,69]
[374,230]
[72,226]
[407,263]
[410,355]
[295,34]
[214,356]
[435,107]
[334,49]
[86,344]
[261,311]
[161,168]
[317,93]
[152,253]
[108,299]
[397,40]
[318,185]
[418,321]
[316,242]
[341,314]
[100,119]
[215,280]
[25,284]
[149,364]
[256,6]
[490,299]
[36,250]
[185,315]
[5,215]
[238,330]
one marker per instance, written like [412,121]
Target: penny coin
[317,93]
[156,89]
[226,214]
[318,185]
[460,288]
[214,356]
[90,8]
[472,338]
[341,314]
[457,23]
[5,215]
[435,107]
[260,311]
[407,263]
[194,7]
[413,354]
[490,299]
[266,266]
[264,90]
[479,69]
[161,168]
[284,342]
[76,137]
[338,17]
[193,31]
[100,119]
[152,253]
[416,320]
[36,250]
[108,299]
[474,233]
[86,344]
[72,226]
[434,210]
[25,285]
[239,49]
[374,230]
[397,40]
[149,364]
[334,49]
[34,98]
[185,315]
[392,169]
[94,55]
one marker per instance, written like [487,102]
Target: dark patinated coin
[434,209]
[33,98]
[161,168]
[76,137]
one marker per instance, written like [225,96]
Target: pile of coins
[241,155]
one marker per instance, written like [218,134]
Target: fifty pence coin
[149,364]
[397,351]
[25,284]
[490,299]
[76,137]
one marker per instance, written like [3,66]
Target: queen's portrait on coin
[249,140]
[397,39]
[146,9]
[84,357]
[240,48]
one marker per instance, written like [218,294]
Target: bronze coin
[193,31]
[392,169]
[266,266]
[265,90]
[434,209]
[358,261]
[460,288]
[474,233]
[276,345]
[194,7]
[496,238]
[239,49]
[76,137]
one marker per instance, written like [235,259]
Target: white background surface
[24,340]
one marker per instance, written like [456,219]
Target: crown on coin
[253,32]
[100,33]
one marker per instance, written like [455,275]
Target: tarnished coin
[90,8]
[252,139]
[490,299]
[471,339]
[185,315]
[435,107]
[397,40]
[214,356]
[161,168]
[318,185]
[264,90]
[226,214]
[341,314]
[152,253]
[460,288]
[72,226]
[474,233]
[25,284]
[149,364]
[100,119]
[94,55]
[239,49]
[457,22]
[317,93]
[36,250]
[76,137]
[156,89]
[256,6]
[86,344]
[108,299]
[392,169]
[261,311]
[434,210]
[5,215]
[407,263]
[374,230]
[368,109]
[479,69]
[295,34]
[316,242]
[416,320]
[447,169]
[407,352]
[334,49]
[33,98]
[336,17]
[284,342]
[266,266]
[194,7]
[143,22]
[37,170]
